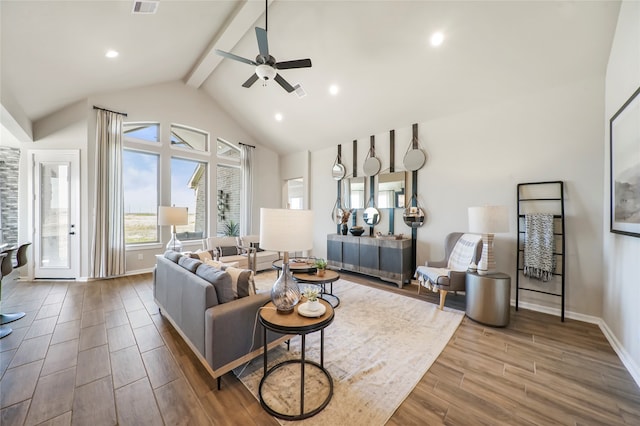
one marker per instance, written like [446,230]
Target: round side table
[329,277]
[295,323]
[489,298]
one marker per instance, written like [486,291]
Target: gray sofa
[222,335]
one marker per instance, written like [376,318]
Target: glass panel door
[55,207]
[54,215]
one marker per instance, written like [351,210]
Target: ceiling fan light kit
[265,72]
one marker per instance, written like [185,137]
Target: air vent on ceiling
[300,91]
[145,7]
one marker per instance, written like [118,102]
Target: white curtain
[108,246]
[246,202]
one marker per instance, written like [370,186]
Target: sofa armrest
[436,263]
[232,330]
[457,280]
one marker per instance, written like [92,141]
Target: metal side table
[489,298]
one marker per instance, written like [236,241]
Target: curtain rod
[246,144]
[108,110]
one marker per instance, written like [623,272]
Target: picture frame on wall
[624,133]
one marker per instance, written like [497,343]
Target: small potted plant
[321,266]
[312,293]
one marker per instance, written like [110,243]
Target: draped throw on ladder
[246,204]
[108,246]
[539,260]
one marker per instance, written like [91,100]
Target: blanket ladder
[542,197]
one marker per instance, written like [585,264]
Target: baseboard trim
[632,367]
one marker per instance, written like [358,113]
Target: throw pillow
[203,255]
[228,251]
[257,247]
[189,264]
[242,281]
[173,256]
[220,280]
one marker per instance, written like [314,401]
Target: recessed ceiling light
[437,39]
[334,89]
[111,54]
[278,117]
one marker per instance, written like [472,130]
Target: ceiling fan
[266,66]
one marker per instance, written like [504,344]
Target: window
[140,181]
[295,194]
[227,151]
[188,138]
[135,132]
[189,189]
[228,178]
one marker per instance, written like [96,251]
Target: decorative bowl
[357,231]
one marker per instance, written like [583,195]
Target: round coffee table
[329,277]
[295,265]
[295,324]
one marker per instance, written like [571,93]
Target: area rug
[377,349]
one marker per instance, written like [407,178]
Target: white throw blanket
[539,261]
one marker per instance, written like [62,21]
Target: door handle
[72,233]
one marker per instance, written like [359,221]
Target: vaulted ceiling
[377,52]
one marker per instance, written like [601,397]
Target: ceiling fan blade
[263,44]
[250,81]
[236,57]
[282,82]
[299,63]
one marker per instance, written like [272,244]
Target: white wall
[477,158]
[622,253]
[74,127]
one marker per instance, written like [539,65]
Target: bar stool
[6,267]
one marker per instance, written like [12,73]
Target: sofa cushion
[189,264]
[241,281]
[220,280]
[173,256]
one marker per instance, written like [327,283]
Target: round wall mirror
[414,217]
[414,159]
[338,171]
[371,216]
[371,166]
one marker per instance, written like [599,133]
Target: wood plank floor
[99,353]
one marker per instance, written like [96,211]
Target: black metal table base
[303,414]
[7,318]
[333,299]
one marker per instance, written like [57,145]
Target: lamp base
[487,264]
[174,244]
[285,293]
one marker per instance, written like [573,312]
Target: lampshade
[286,230]
[488,219]
[172,216]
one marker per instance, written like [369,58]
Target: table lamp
[172,216]
[286,231]
[488,220]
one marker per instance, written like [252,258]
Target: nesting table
[289,324]
[329,277]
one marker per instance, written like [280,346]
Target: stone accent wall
[201,206]
[228,179]
[9,166]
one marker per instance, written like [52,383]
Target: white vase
[313,305]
